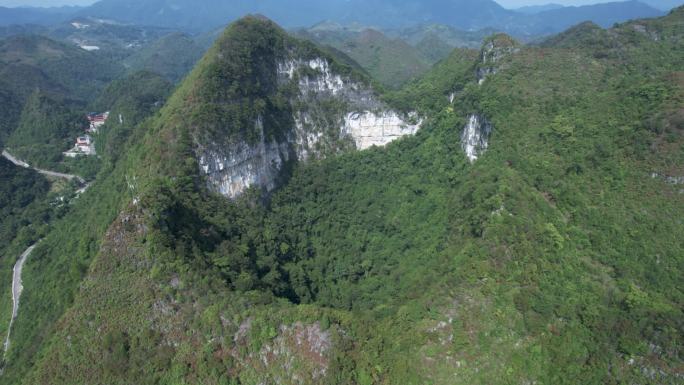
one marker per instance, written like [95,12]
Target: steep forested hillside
[130,101]
[392,62]
[529,232]
[71,225]
[172,56]
[46,128]
[59,72]
[69,67]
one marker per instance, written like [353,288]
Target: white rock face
[366,128]
[232,170]
[306,139]
[324,82]
[475,137]
[490,58]
[673,180]
[370,129]
[358,117]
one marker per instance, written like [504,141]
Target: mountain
[47,127]
[258,102]
[437,41]
[604,14]
[65,67]
[22,29]
[30,15]
[213,13]
[462,14]
[172,56]
[393,62]
[130,100]
[106,37]
[534,9]
[513,216]
[664,5]
[57,70]
[449,35]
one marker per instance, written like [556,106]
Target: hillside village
[85,145]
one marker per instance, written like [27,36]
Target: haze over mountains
[463,14]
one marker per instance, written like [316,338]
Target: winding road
[17,288]
[21,163]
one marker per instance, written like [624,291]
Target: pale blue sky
[505,3]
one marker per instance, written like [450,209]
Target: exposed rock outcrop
[673,180]
[231,170]
[475,136]
[331,112]
[494,50]
[377,129]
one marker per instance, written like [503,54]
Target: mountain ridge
[463,14]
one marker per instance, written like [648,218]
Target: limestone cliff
[329,112]
[494,51]
[475,136]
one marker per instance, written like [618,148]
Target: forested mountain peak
[261,99]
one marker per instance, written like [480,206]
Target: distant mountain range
[203,16]
[41,16]
[664,5]
[534,9]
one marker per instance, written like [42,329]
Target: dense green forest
[27,206]
[47,128]
[70,225]
[45,87]
[555,258]
[130,100]
[172,56]
[392,62]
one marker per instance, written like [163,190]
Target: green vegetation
[432,92]
[436,41]
[556,258]
[30,61]
[27,206]
[172,56]
[130,100]
[241,68]
[21,215]
[44,88]
[46,129]
[392,62]
[70,225]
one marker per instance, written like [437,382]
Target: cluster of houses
[85,144]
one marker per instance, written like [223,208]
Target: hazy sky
[505,3]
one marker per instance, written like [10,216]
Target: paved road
[17,288]
[21,163]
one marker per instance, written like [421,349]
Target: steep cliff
[475,137]
[494,50]
[493,55]
[300,104]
